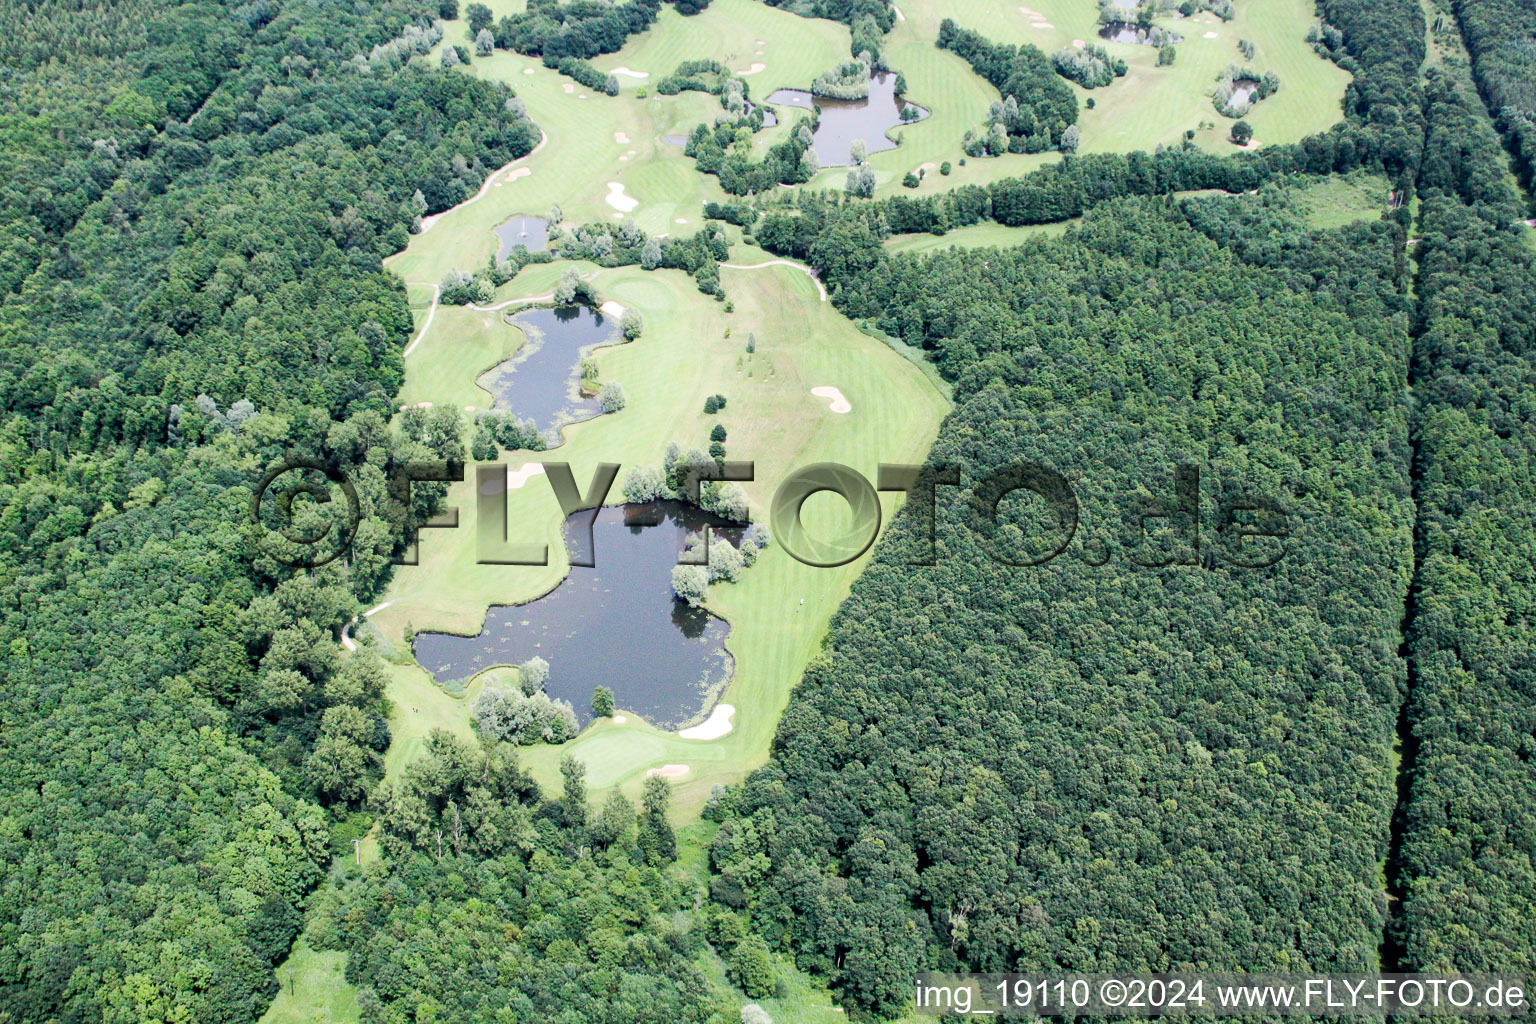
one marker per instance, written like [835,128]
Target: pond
[543,380]
[615,625]
[675,140]
[842,121]
[1243,90]
[1134,34]
[532,232]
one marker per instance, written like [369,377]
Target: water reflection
[614,625]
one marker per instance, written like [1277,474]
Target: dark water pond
[842,121]
[543,380]
[615,625]
[769,117]
[532,232]
[1130,32]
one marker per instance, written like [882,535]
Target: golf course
[802,383]
[603,158]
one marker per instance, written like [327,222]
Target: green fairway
[592,139]
[1150,105]
[773,419]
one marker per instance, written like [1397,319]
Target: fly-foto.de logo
[310,512]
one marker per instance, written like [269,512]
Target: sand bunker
[754,69]
[611,308]
[568,87]
[621,138]
[668,771]
[620,719]
[839,404]
[519,172]
[924,168]
[627,73]
[618,200]
[712,728]
[1031,14]
[1212,35]
[680,220]
[1077,43]
[527,71]
[527,471]
[1042,24]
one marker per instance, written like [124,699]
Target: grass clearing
[977,236]
[314,989]
[1337,200]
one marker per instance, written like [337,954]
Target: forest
[1272,705]
[1105,764]
[1113,805]
[1499,35]
[190,298]
[1466,873]
[476,854]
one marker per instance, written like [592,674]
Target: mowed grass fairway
[592,139]
[1150,105]
[772,419]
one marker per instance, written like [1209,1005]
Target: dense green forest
[1099,766]
[1467,870]
[580,29]
[1167,748]
[1110,804]
[1043,105]
[494,902]
[1501,36]
[193,292]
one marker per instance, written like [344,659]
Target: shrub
[602,702]
[752,968]
[690,583]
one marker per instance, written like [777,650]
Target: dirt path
[510,302]
[437,292]
[783,263]
[346,631]
[490,179]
